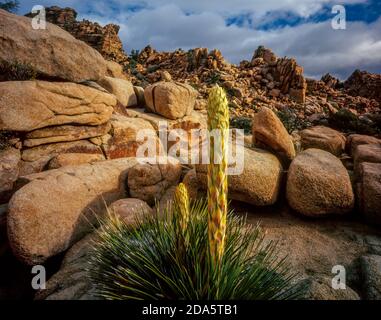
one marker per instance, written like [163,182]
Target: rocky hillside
[70,139]
[265,80]
[104,39]
[364,84]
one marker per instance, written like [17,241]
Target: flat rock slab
[44,104]
[74,159]
[196,120]
[53,149]
[64,133]
[56,208]
[355,140]
[324,138]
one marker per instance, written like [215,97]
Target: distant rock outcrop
[330,81]
[364,84]
[104,39]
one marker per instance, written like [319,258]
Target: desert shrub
[344,119]
[242,123]
[347,121]
[157,261]
[132,62]
[134,55]
[153,68]
[17,71]
[194,85]
[214,78]
[5,137]
[259,51]
[291,121]
[231,92]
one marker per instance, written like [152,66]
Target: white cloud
[316,46]
[168,25]
[230,7]
[225,8]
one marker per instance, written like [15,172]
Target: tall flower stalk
[181,201]
[192,253]
[218,126]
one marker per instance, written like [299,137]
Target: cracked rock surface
[56,208]
[53,52]
[44,104]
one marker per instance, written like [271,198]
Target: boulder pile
[364,84]
[72,135]
[76,137]
[104,39]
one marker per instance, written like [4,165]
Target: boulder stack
[171,100]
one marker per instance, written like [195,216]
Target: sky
[301,29]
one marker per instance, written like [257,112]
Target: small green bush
[291,121]
[134,55]
[214,78]
[347,121]
[5,136]
[242,123]
[259,52]
[17,71]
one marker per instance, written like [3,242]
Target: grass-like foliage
[242,123]
[347,121]
[291,121]
[17,71]
[157,259]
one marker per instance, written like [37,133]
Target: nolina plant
[196,250]
[181,201]
[218,121]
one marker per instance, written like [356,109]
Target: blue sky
[295,28]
